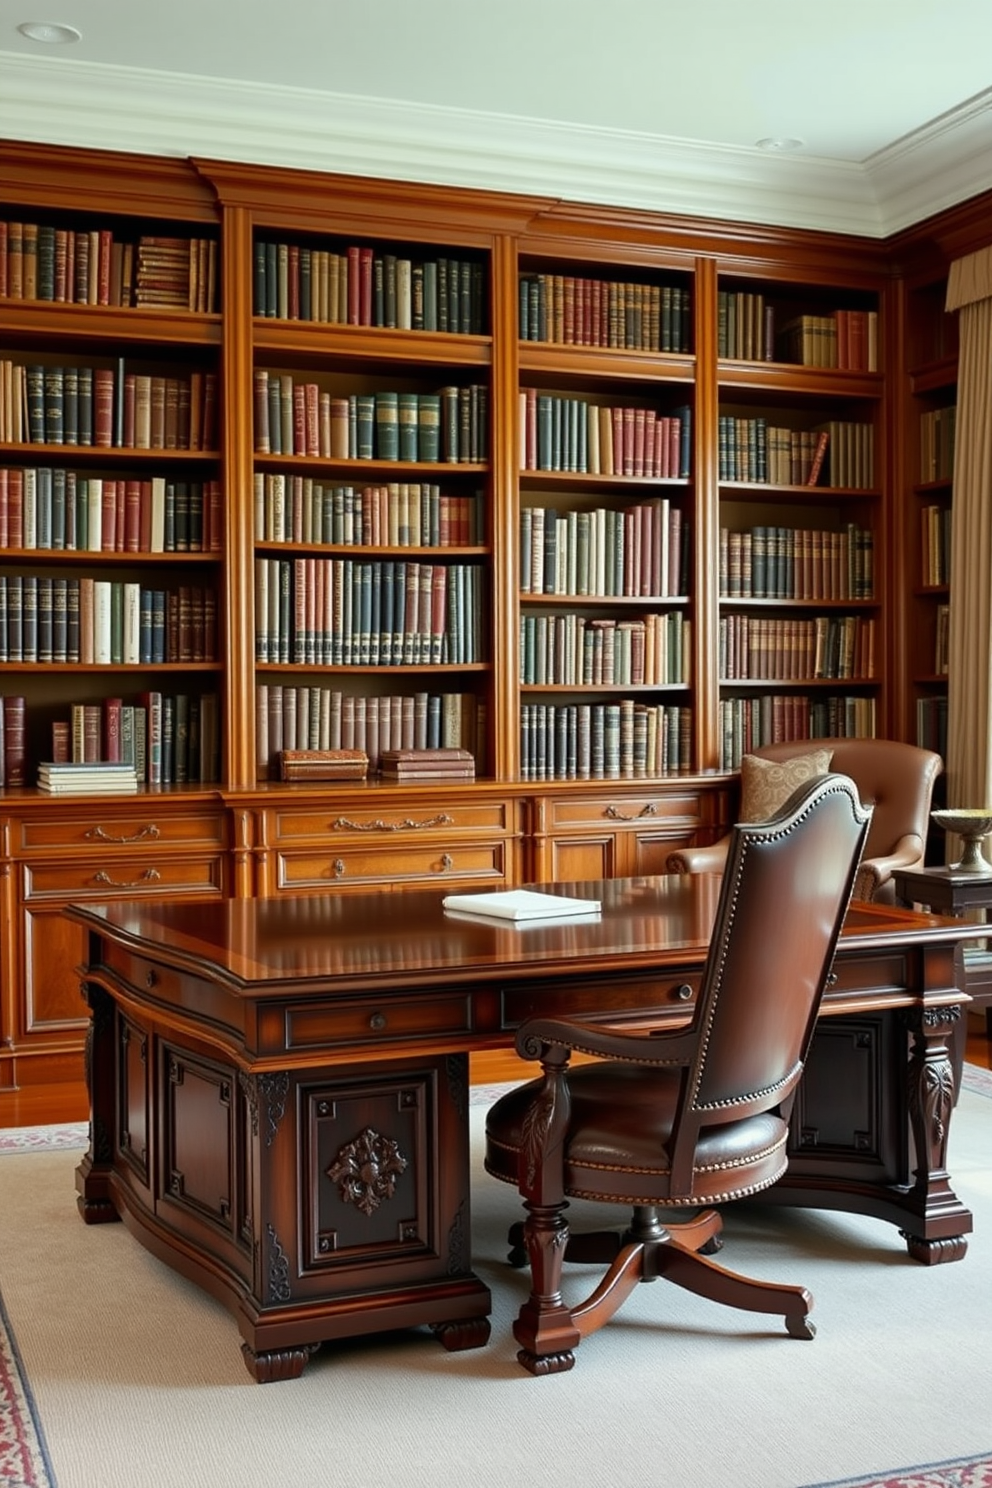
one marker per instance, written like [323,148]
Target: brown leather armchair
[685,1118]
[896,779]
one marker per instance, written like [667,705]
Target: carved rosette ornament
[366,1169]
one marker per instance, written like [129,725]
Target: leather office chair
[689,1118]
[896,779]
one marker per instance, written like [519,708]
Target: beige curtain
[969,723]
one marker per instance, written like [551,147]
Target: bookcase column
[237,466]
[505,455]
[706,587]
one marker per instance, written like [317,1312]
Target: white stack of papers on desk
[522,905]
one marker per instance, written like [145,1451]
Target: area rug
[85,1410]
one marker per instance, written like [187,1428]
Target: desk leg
[94,1172]
[931,1101]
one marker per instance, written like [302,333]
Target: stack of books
[94,778]
[427,764]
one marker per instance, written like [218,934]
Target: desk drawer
[409,863]
[369,1022]
[110,879]
[642,1000]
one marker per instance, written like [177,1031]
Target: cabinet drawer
[104,879]
[408,862]
[562,812]
[376,823]
[147,830]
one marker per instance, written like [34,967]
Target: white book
[101,621]
[522,904]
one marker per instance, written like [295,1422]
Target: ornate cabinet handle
[615,814]
[338,867]
[344,824]
[143,834]
[150,875]
[447,862]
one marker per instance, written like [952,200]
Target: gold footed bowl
[972,825]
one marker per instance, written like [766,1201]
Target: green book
[387,441]
[409,421]
[365,425]
[429,426]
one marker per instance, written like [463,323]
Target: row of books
[754,648]
[936,544]
[106,407]
[751,449]
[747,723]
[931,724]
[576,436]
[745,326]
[399,514]
[288,717]
[170,739]
[95,266]
[364,286]
[301,418]
[642,550]
[45,618]
[576,311]
[626,740]
[571,650]
[66,511]
[342,612]
[845,339]
[937,430]
[767,562]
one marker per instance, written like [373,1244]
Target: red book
[209,411]
[299,419]
[3,508]
[132,516]
[112,729]
[354,286]
[15,508]
[365,286]
[105,242]
[14,761]
[103,406]
[818,457]
[108,511]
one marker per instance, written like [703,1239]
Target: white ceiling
[634,102]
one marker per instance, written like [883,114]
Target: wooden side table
[946,892]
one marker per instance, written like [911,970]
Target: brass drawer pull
[447,862]
[144,834]
[615,814]
[338,868]
[345,824]
[150,875]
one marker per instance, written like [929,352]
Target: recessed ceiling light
[52,33]
[785,143]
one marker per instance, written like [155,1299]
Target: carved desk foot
[277,1364]
[935,1252]
[468,1333]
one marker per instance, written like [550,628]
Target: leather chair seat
[619,1132]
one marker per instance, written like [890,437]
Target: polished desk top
[260,948]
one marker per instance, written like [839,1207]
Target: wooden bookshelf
[403,455]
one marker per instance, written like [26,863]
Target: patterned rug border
[958,1472]
[24,1460]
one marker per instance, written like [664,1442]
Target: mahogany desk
[279,1087]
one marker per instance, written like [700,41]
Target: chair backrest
[896,779]
[783,898]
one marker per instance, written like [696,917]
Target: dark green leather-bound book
[54,392]
[260,279]
[430,296]
[306,284]
[365,426]
[409,426]
[429,426]
[387,433]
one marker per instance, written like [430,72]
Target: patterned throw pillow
[766,785]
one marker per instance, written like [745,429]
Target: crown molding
[53,101]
